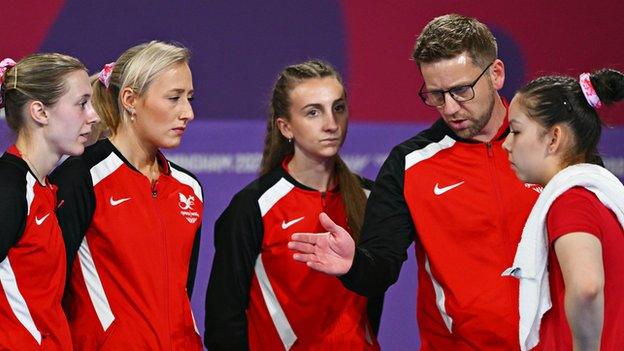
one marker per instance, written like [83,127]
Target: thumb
[328,224]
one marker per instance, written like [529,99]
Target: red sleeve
[576,210]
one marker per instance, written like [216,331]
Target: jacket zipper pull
[489,149]
[154,191]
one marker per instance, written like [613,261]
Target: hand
[330,252]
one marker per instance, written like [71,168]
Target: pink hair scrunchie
[589,91]
[4,66]
[105,74]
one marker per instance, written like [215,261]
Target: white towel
[530,263]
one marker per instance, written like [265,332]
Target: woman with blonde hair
[131,219]
[47,101]
[259,298]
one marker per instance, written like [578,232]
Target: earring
[290,140]
[131,112]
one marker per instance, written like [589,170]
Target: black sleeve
[387,232]
[373,311]
[12,219]
[366,183]
[76,203]
[374,305]
[190,280]
[238,239]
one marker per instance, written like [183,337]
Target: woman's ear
[128,99]
[557,139]
[284,127]
[37,112]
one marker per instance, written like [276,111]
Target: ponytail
[609,85]
[352,196]
[105,104]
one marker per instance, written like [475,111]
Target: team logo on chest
[186,205]
[535,187]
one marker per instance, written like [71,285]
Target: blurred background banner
[240,46]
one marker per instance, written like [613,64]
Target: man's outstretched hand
[331,252]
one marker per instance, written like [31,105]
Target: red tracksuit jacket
[462,204]
[32,261]
[258,297]
[133,250]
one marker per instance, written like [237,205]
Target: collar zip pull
[154,191]
[489,149]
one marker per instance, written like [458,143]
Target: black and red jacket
[258,297]
[32,261]
[132,247]
[462,204]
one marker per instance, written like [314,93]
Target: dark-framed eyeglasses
[460,94]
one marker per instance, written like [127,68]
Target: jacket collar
[283,171]
[160,158]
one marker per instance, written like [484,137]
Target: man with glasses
[451,190]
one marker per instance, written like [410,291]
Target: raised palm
[330,252]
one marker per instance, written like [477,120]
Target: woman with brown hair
[47,101]
[259,298]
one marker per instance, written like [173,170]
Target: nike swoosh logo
[439,191]
[40,220]
[288,224]
[114,202]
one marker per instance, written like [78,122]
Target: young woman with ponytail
[570,255]
[259,298]
[47,101]
[130,218]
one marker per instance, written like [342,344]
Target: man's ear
[497,74]
[36,111]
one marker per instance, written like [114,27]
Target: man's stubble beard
[479,123]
